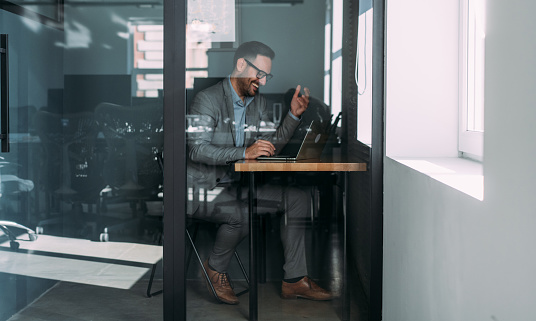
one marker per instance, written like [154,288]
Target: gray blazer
[211,133]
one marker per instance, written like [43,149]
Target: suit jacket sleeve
[283,133]
[211,143]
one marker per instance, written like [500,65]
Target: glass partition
[81,187]
[251,68]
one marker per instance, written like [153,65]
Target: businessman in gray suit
[228,118]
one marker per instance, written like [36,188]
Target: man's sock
[293,280]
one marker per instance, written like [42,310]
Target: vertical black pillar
[4,95]
[377,156]
[174,160]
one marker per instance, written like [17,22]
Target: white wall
[422,78]
[448,256]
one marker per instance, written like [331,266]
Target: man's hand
[260,148]
[299,104]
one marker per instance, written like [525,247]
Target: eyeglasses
[260,74]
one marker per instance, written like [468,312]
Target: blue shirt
[239,107]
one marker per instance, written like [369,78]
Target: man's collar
[234,95]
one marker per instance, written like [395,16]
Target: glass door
[81,203]
[248,63]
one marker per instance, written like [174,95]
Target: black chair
[11,185]
[69,143]
[134,142]
[134,138]
[14,189]
[194,224]
[197,202]
[265,210]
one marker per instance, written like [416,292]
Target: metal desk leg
[345,274]
[253,243]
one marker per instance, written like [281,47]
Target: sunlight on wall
[462,175]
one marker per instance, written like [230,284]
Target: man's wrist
[298,118]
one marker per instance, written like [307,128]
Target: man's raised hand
[298,105]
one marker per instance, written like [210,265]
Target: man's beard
[245,85]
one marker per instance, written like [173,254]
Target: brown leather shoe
[221,284]
[304,288]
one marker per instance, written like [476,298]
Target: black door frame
[377,155]
[175,171]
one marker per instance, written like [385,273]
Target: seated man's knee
[240,220]
[297,202]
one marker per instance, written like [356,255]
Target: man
[229,116]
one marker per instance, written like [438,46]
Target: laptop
[311,146]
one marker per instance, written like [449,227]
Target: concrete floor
[79,302]
[82,302]
[271,307]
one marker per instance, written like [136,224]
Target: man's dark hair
[251,49]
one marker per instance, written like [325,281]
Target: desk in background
[110,264]
[252,167]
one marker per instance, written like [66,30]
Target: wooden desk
[252,167]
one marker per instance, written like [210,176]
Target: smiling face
[245,80]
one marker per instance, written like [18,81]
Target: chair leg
[243,272]
[149,294]
[242,267]
[196,228]
[202,267]
[193,249]
[153,270]
[205,273]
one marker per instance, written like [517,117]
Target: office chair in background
[69,143]
[13,186]
[134,139]
[8,227]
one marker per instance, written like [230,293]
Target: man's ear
[240,64]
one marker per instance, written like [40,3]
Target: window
[148,59]
[333,56]
[471,135]
[363,75]
[336,57]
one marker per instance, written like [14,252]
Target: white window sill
[461,174]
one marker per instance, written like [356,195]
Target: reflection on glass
[148,59]
[85,167]
[48,8]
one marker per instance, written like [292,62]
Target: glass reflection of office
[85,166]
[298,33]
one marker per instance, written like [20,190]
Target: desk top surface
[307,165]
[132,252]
[80,261]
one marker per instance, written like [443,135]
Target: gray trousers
[234,219]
